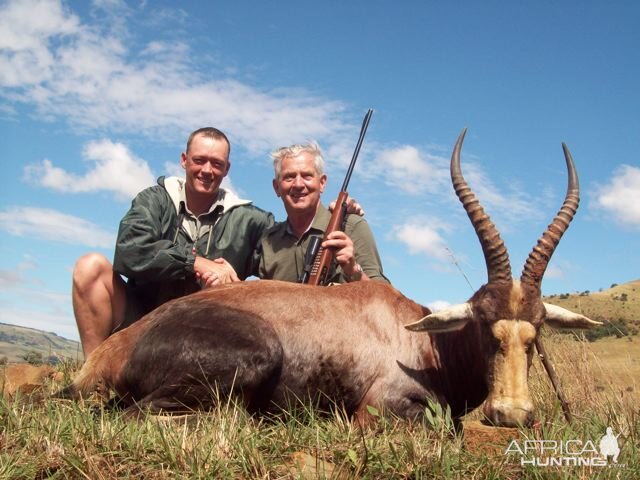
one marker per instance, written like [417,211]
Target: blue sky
[97,99]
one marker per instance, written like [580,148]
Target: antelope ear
[559,317]
[447,320]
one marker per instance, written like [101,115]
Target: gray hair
[294,150]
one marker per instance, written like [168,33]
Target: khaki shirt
[282,253]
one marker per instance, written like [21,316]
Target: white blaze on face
[508,403]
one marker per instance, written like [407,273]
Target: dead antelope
[352,345]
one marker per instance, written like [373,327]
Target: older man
[299,181]
[177,237]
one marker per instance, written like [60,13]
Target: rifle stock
[318,272]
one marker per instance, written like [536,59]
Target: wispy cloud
[418,172]
[423,237]
[621,196]
[411,170]
[91,77]
[53,320]
[507,205]
[114,168]
[555,271]
[26,303]
[51,225]
[15,277]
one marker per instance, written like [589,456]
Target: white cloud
[417,172]
[114,169]
[173,169]
[422,238]
[621,196]
[9,278]
[410,169]
[509,203]
[90,76]
[25,302]
[12,278]
[554,271]
[47,224]
[26,23]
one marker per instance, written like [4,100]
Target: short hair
[294,150]
[209,132]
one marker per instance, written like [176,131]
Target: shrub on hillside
[617,328]
[32,357]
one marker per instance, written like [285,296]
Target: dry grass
[619,302]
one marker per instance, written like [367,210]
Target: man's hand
[214,272]
[345,253]
[352,207]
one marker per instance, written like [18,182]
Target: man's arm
[366,251]
[220,271]
[144,247]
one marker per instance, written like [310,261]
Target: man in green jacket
[177,237]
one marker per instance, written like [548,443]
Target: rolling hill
[618,307]
[16,342]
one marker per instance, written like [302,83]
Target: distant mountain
[17,342]
[618,307]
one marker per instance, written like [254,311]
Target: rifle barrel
[363,131]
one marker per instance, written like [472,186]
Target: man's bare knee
[89,269]
[99,299]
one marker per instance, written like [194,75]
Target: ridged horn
[495,253]
[539,257]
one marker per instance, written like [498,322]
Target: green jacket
[158,241]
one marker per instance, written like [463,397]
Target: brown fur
[353,331]
[344,344]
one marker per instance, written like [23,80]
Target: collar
[319,223]
[226,200]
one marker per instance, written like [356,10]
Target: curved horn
[495,253]
[539,257]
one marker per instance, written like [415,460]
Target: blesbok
[352,345]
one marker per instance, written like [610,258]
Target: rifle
[318,260]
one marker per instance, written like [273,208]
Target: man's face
[299,184]
[206,164]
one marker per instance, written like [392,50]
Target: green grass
[61,439]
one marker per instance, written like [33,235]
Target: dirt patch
[492,441]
